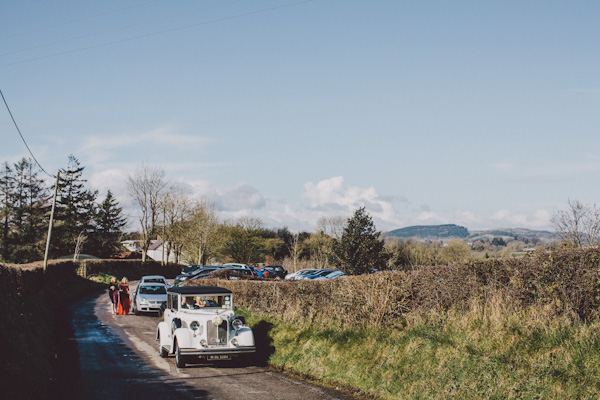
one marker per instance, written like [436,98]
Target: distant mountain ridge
[431,231]
[448,231]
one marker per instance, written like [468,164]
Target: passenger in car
[188,302]
[200,302]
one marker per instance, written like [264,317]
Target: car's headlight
[195,326]
[237,324]
[143,301]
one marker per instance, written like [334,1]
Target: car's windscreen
[203,272]
[154,280]
[158,289]
[310,272]
[324,273]
[205,301]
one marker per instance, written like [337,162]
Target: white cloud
[104,148]
[503,165]
[238,199]
[333,196]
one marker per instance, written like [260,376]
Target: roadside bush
[563,283]
[132,269]
[31,299]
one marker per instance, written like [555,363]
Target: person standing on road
[124,302]
[113,288]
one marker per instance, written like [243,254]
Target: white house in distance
[155,251]
[132,245]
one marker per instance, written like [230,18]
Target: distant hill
[457,231]
[431,231]
[515,233]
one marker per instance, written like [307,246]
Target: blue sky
[479,113]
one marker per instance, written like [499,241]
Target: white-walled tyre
[161,350]
[179,359]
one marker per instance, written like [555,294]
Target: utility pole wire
[78,19]
[161,32]
[120,28]
[22,138]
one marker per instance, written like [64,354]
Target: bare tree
[320,246]
[579,225]
[294,251]
[81,238]
[146,188]
[204,235]
[175,211]
[332,226]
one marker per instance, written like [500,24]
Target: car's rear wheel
[179,359]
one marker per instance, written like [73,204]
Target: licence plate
[218,357]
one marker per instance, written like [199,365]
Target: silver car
[149,297]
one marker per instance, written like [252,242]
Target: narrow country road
[115,357]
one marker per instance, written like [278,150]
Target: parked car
[149,297]
[228,273]
[200,323]
[179,279]
[301,274]
[236,265]
[279,271]
[154,279]
[184,277]
[189,269]
[325,274]
[262,272]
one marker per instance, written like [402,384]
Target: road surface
[109,356]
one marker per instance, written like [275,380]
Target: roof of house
[155,245]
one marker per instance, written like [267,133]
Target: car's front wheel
[179,359]
[161,350]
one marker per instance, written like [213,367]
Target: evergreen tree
[109,228]
[30,208]
[359,249]
[75,210]
[6,207]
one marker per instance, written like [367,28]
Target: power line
[22,138]
[120,28]
[159,32]
[79,19]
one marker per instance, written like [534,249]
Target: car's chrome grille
[217,335]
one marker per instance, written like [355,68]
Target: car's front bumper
[218,351]
[150,307]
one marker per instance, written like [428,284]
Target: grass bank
[525,328]
[482,353]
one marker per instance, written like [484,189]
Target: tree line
[80,220]
[193,231]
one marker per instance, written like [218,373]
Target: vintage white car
[199,323]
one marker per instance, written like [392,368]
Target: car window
[171,301]
[204,272]
[158,289]
[205,301]
[154,280]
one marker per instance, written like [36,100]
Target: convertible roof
[198,290]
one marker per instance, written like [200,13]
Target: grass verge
[478,354]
